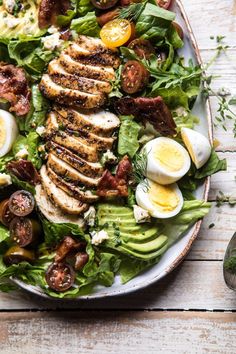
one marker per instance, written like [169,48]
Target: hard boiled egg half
[167,160]
[8,131]
[198,146]
[160,201]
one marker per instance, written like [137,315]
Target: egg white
[155,171]
[143,200]
[197,145]
[9,127]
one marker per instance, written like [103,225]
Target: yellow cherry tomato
[116,32]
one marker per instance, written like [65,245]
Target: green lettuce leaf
[80,7]
[4,233]
[213,166]
[86,25]
[128,137]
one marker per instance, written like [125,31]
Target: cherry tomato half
[103,4]
[60,276]
[116,32]
[5,215]
[17,254]
[24,231]
[134,77]
[142,48]
[21,203]
[164,3]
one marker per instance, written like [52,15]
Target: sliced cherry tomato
[21,203]
[164,3]
[24,231]
[134,77]
[17,254]
[178,29]
[142,47]
[116,32]
[81,258]
[103,4]
[60,276]
[107,16]
[5,215]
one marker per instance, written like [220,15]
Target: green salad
[100,153]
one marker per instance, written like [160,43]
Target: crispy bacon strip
[111,186]
[14,88]
[67,246]
[49,10]
[24,170]
[152,110]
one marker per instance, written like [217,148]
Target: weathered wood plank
[194,285]
[212,17]
[129,332]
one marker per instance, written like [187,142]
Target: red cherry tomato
[60,276]
[24,231]
[164,3]
[21,203]
[134,77]
[5,215]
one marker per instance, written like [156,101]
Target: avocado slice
[143,256]
[147,247]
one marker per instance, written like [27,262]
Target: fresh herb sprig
[222,198]
[133,11]
[140,168]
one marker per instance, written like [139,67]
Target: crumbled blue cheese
[141,215]
[108,157]
[21,154]
[99,237]
[223,92]
[90,215]
[9,5]
[5,180]
[41,130]
[52,41]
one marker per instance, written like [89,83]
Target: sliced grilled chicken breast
[64,170]
[89,169]
[70,189]
[98,57]
[52,212]
[102,123]
[67,203]
[92,44]
[76,144]
[76,82]
[101,143]
[69,97]
[90,71]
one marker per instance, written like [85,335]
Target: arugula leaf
[174,38]
[86,25]
[4,161]
[4,233]
[22,184]
[128,137]
[213,165]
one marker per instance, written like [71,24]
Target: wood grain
[194,285]
[124,332]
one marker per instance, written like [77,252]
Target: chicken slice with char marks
[74,81]
[67,203]
[64,170]
[102,123]
[51,211]
[70,189]
[89,169]
[68,96]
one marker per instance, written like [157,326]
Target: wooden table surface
[191,310]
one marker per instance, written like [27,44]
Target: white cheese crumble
[5,180]
[141,215]
[90,215]
[11,22]
[9,5]
[41,130]
[21,154]
[109,157]
[99,237]
[52,42]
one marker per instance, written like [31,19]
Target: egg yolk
[189,147]
[163,198]
[169,157]
[2,132]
